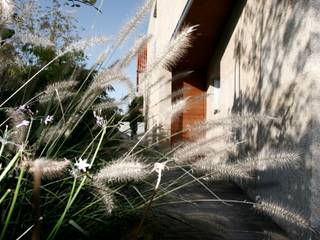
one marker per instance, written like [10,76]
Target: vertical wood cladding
[194,86]
[141,63]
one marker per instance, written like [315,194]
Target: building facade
[253,56]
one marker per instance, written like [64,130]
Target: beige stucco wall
[157,88]
[271,66]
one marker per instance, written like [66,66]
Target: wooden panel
[195,88]
[176,123]
[196,110]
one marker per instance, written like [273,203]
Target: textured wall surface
[270,65]
[157,88]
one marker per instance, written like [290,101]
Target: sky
[115,13]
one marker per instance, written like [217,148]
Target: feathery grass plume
[99,84]
[179,93]
[174,51]
[106,105]
[201,147]
[58,95]
[58,91]
[163,80]
[131,169]
[51,133]
[175,95]
[62,85]
[29,38]
[106,196]
[209,161]
[218,172]
[71,123]
[263,162]
[19,126]
[130,26]
[104,78]
[84,44]
[247,119]
[49,168]
[101,58]
[281,213]
[176,48]
[138,45]
[175,109]
[233,120]
[6,10]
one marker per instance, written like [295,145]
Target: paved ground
[210,220]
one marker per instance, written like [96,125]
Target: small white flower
[48,119]
[99,119]
[22,108]
[82,164]
[25,109]
[158,168]
[24,123]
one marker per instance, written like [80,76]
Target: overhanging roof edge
[182,18]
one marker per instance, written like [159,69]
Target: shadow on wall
[278,53]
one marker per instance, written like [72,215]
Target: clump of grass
[71,132]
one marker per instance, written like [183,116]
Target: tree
[135,115]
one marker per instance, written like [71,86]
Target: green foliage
[135,114]
[6,33]
[53,117]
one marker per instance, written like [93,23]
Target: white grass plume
[18,135]
[101,58]
[105,78]
[131,25]
[84,44]
[174,51]
[201,147]
[175,95]
[58,91]
[62,85]
[265,161]
[163,80]
[50,134]
[105,106]
[131,169]
[233,120]
[281,213]
[210,161]
[29,38]
[100,83]
[221,171]
[48,168]
[138,45]
[61,95]
[106,196]
[175,109]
